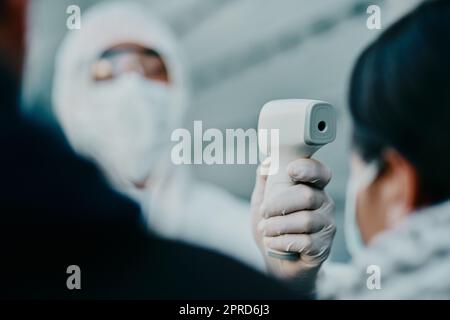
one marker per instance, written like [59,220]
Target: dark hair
[400,97]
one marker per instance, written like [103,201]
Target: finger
[298,243]
[307,244]
[296,198]
[309,171]
[294,223]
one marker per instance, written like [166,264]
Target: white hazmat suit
[125,125]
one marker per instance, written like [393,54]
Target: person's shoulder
[188,272]
[70,200]
[39,162]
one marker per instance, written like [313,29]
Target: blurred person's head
[400,106]
[119,88]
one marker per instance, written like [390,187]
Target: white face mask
[129,125]
[360,178]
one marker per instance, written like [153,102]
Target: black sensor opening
[322,126]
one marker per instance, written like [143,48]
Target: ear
[401,181]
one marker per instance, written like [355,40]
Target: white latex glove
[299,220]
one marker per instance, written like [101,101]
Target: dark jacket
[57,211]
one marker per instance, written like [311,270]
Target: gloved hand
[299,220]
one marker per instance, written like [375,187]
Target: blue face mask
[360,179]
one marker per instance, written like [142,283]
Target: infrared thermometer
[289,130]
